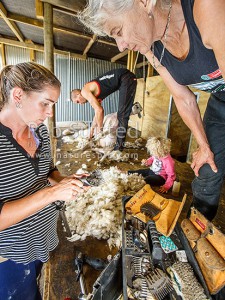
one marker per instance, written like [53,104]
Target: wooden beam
[32,51]
[68,4]
[2,49]
[150,70]
[39,24]
[49,63]
[48,37]
[89,45]
[63,10]
[131,60]
[118,56]
[39,48]
[25,20]
[140,65]
[32,55]
[11,24]
[39,9]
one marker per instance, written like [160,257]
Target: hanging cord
[144,88]
[68,75]
[135,62]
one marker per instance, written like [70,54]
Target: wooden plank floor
[60,278]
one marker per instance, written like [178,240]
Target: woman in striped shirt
[29,182]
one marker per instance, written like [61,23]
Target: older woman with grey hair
[184,40]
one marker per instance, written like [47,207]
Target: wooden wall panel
[162,119]
[179,133]
[134,121]
[156,108]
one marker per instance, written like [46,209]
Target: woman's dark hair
[29,76]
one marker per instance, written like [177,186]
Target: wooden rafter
[38,47]
[39,9]
[69,7]
[118,56]
[68,4]
[11,24]
[2,51]
[89,45]
[38,23]
[64,11]
[140,65]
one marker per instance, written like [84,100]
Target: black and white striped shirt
[20,176]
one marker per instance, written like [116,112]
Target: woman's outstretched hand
[202,156]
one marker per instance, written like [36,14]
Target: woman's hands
[202,156]
[68,188]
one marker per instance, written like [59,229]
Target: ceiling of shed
[21,24]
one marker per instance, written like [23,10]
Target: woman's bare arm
[187,107]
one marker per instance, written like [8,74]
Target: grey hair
[97,12]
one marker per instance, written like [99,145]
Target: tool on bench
[158,276]
[158,255]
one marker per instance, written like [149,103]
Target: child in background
[161,171]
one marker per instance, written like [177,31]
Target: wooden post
[32,51]
[32,55]
[39,9]
[2,49]
[150,70]
[131,60]
[49,63]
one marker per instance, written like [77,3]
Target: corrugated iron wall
[73,73]
[16,55]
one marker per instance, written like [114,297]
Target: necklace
[165,40]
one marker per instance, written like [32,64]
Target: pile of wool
[135,145]
[68,139]
[67,131]
[82,142]
[117,155]
[98,212]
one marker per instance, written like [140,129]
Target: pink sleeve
[149,161]
[169,166]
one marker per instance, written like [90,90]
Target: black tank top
[200,69]
[110,82]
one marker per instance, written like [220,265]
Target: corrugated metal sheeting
[73,73]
